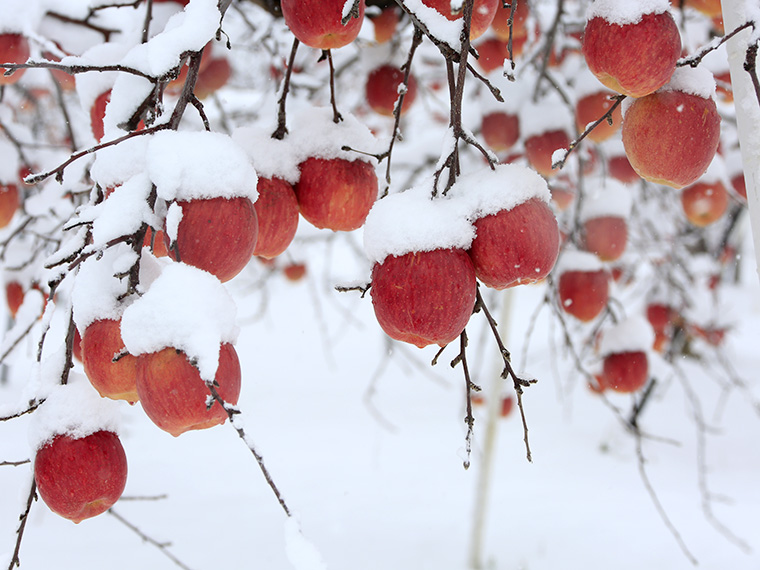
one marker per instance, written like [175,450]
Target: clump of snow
[633,334]
[443,29]
[692,80]
[116,164]
[90,86]
[585,83]
[625,12]
[122,212]
[20,16]
[9,164]
[74,409]
[574,260]
[198,165]
[301,553]
[185,308]
[488,191]
[96,291]
[272,158]
[549,114]
[606,198]
[414,221]
[313,133]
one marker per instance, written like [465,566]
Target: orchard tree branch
[16,560]
[106,32]
[696,59]
[74,69]
[469,419]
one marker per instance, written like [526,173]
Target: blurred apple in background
[14,296]
[14,48]
[344,203]
[704,203]
[110,368]
[81,478]
[385,23]
[382,89]
[500,23]
[625,371]
[539,149]
[582,285]
[10,201]
[636,58]
[424,297]
[212,77]
[500,130]
[98,113]
[483,13]
[294,271]
[317,23]
[217,235]
[174,396]
[591,108]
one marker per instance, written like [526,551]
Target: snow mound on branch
[116,164]
[443,29]
[185,308]
[415,221]
[607,198]
[625,12]
[74,409]
[20,16]
[272,158]
[197,165]
[489,191]
[634,334]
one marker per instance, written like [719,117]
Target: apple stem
[337,117]
[282,128]
[741,60]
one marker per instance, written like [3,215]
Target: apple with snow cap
[109,367]
[631,47]
[318,23]
[583,285]
[545,127]
[277,215]
[671,136]
[624,349]
[604,217]
[385,23]
[516,234]
[423,281]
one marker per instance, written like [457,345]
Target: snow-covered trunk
[736,13]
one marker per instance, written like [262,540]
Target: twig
[15,560]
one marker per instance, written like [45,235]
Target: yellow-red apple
[217,235]
[424,297]
[174,396]
[81,478]
[336,193]
[591,108]
[317,23]
[635,58]
[704,203]
[385,23]
[110,368]
[516,246]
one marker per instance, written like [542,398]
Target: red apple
[491,54]
[625,371]
[739,184]
[516,246]
[294,271]
[483,12]
[212,77]
[217,235]
[317,23]
[634,59]
[344,202]
[500,130]
[671,137]
[81,478]
[14,295]
[111,369]
[385,23]
[10,201]
[661,317]
[704,203]
[591,108]
[584,294]
[382,90]
[14,48]
[539,149]
[500,23]
[711,8]
[277,214]
[98,113]
[507,405]
[424,297]
[154,240]
[174,87]
[76,348]
[605,236]
[173,395]
[723,87]
[620,168]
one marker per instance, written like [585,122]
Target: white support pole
[736,13]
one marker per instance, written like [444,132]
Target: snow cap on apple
[633,334]
[187,309]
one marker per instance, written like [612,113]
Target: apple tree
[164,160]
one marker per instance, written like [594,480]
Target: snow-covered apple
[671,136]
[583,285]
[217,235]
[80,478]
[344,202]
[604,214]
[383,89]
[277,214]
[385,23]
[174,396]
[111,369]
[632,48]
[317,23]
